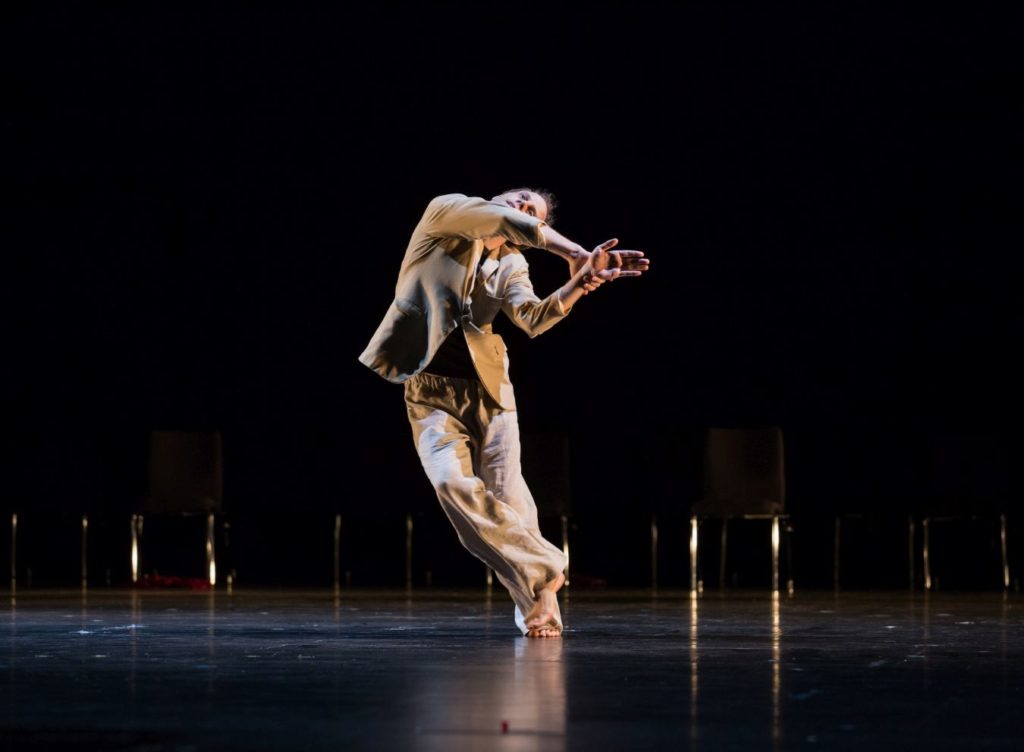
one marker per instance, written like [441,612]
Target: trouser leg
[501,470]
[462,444]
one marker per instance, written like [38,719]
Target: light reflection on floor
[446,670]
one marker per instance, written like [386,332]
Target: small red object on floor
[504,727]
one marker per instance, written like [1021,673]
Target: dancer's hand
[608,265]
[578,259]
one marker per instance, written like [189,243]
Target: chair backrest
[186,474]
[744,472]
[545,459]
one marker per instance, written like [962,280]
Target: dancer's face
[525,201]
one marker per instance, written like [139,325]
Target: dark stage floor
[445,670]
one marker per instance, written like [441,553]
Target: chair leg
[211,552]
[85,551]
[14,551]
[654,552]
[136,547]
[337,552]
[565,546]
[775,554]
[790,585]
[1002,547]
[911,540]
[723,553]
[926,555]
[226,556]
[693,556]
[837,539]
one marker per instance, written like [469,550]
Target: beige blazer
[443,284]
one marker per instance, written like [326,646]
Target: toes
[543,632]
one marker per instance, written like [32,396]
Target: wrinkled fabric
[469,448]
[433,289]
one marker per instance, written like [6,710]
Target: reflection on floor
[447,670]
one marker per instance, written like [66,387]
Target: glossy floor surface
[447,670]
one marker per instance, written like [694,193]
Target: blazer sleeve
[469,217]
[531,314]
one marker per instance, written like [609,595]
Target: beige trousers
[469,447]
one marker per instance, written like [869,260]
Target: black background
[209,206]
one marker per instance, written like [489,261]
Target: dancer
[463,265]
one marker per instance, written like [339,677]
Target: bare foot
[546,632]
[541,621]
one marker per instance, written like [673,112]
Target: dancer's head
[534,201]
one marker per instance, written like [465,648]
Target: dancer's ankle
[556,584]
